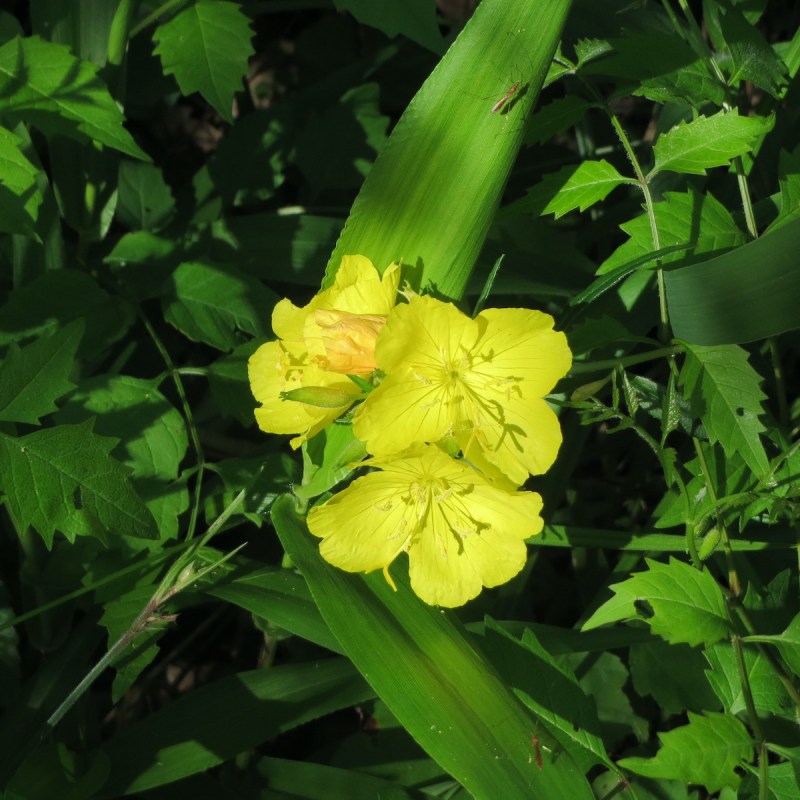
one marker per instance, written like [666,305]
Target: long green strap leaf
[431,195]
[420,662]
[747,294]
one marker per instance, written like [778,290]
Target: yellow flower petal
[482,381]
[461,532]
[278,367]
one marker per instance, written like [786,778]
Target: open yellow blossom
[318,346]
[481,381]
[460,531]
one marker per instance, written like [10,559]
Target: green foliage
[168,171]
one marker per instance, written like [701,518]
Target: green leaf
[327,459]
[581,186]
[415,19]
[725,677]
[687,605]
[214,304]
[152,433]
[706,751]
[230,386]
[63,478]
[32,378]
[727,301]
[672,674]
[692,147]
[788,644]
[206,47]
[280,596]
[20,195]
[44,84]
[555,118]
[789,183]
[55,299]
[233,715]
[304,779]
[695,224]
[144,200]
[725,393]
[409,206]
[459,709]
[753,58]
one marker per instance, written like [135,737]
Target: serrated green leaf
[687,605]
[582,186]
[144,201]
[706,751]
[20,195]
[788,644]
[32,378]
[415,19]
[725,393]
[63,479]
[44,84]
[789,183]
[725,678]
[692,147]
[206,47]
[697,221]
[216,304]
[753,58]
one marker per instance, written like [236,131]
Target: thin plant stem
[152,17]
[780,384]
[187,413]
[624,361]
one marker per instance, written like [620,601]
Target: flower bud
[320,396]
[349,341]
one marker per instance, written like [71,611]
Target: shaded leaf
[725,393]
[706,752]
[554,118]
[214,304]
[206,47]
[144,200]
[415,19]
[20,195]
[44,84]
[32,378]
[692,147]
[687,605]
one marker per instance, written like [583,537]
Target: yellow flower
[461,532]
[318,346]
[481,381]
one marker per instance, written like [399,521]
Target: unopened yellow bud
[349,341]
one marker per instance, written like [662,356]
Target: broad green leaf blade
[32,378]
[555,118]
[748,294]
[423,667]
[280,596]
[217,722]
[327,460]
[216,305]
[692,147]
[63,478]
[432,193]
[144,201]
[725,393]
[304,779]
[206,47]
[44,84]
[788,644]
[706,751]
[753,58]
[582,186]
[687,604]
[415,19]
[699,223]
[20,195]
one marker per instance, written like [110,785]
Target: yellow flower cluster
[444,383]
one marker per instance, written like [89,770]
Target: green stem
[190,424]
[780,385]
[624,361]
[151,18]
[118,35]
